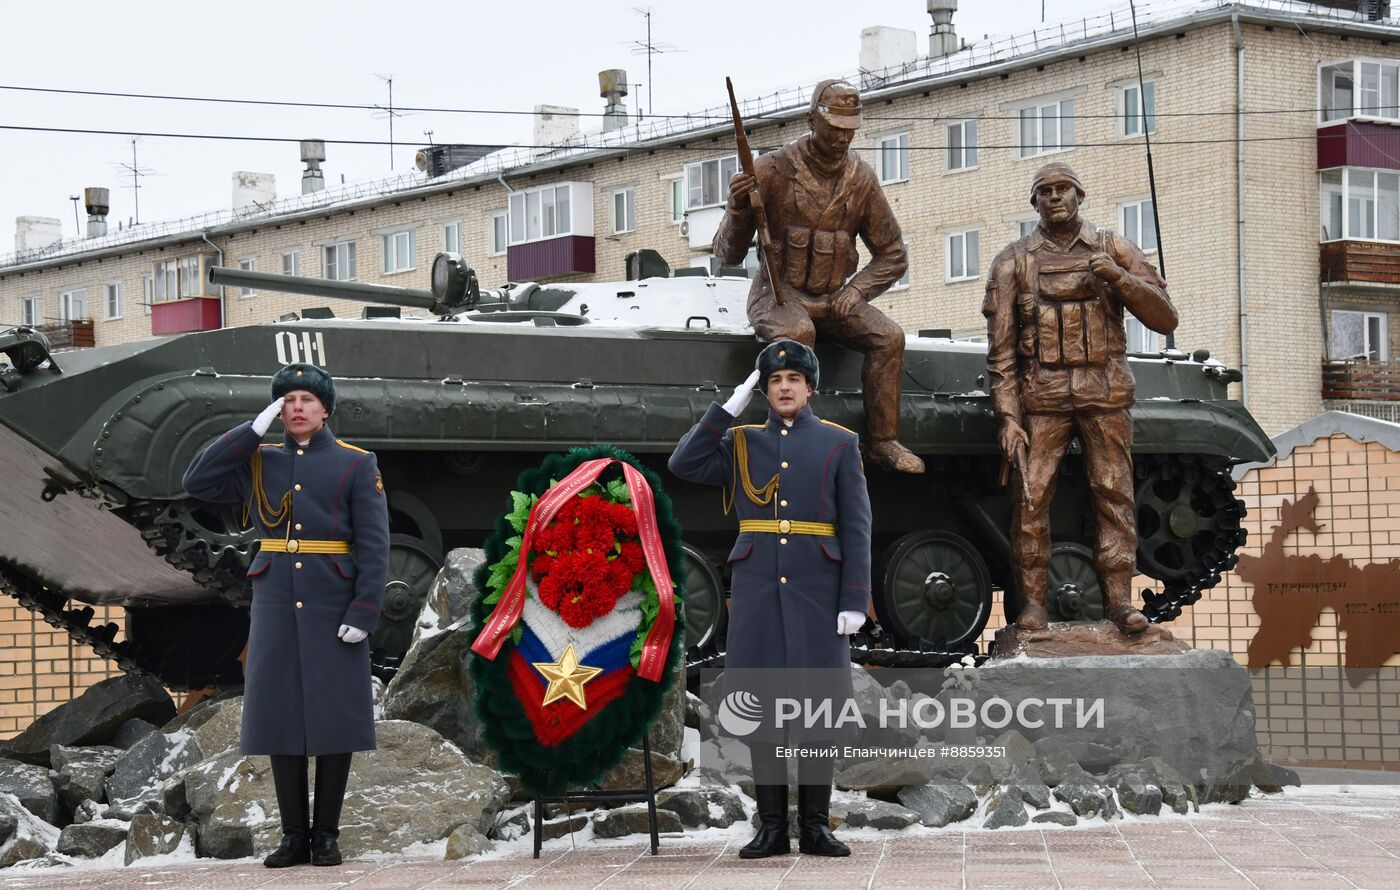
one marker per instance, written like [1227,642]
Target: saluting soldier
[800,567]
[318,580]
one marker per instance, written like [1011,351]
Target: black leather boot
[289,778]
[772,837]
[332,773]
[814,822]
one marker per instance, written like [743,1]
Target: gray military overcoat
[305,690]
[786,590]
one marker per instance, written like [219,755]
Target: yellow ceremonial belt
[787,527]
[294,545]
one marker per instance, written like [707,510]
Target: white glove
[264,420]
[742,393]
[849,622]
[351,634]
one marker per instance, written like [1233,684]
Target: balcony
[1368,388]
[1360,262]
[184,316]
[69,334]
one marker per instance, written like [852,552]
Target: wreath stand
[635,795]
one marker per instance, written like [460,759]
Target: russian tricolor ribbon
[512,602]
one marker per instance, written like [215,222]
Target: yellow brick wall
[41,668]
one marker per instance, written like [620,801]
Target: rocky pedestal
[1067,639]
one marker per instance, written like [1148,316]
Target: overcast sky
[507,56]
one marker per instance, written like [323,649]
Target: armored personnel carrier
[459,389]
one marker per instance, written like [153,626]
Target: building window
[112,299]
[1358,336]
[962,145]
[1025,226]
[148,292]
[1137,108]
[1139,226]
[707,182]
[904,279]
[1046,127]
[1359,204]
[248,264]
[496,233]
[452,237]
[961,250]
[291,263]
[892,157]
[72,304]
[1139,337]
[540,213]
[675,199]
[400,251]
[1359,88]
[338,261]
[29,311]
[623,211]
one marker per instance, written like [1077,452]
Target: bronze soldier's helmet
[780,355]
[1056,171]
[300,375]
[838,103]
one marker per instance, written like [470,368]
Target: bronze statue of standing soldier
[819,197]
[1057,368]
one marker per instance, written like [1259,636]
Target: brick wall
[40,668]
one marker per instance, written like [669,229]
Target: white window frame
[338,257]
[557,210]
[1367,205]
[67,299]
[1138,337]
[1131,119]
[675,198]
[891,150]
[493,246]
[696,174]
[1381,348]
[148,291]
[955,247]
[1134,217]
[1032,113]
[1384,99]
[1024,225]
[398,251]
[247,264]
[451,233]
[292,259]
[29,311]
[111,300]
[628,218]
[965,150]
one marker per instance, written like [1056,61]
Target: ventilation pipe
[612,85]
[97,204]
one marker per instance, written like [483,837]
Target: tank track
[872,647]
[51,605]
[171,532]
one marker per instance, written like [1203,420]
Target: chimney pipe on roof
[612,85]
[97,204]
[313,155]
[941,39]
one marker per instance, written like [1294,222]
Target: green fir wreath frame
[601,742]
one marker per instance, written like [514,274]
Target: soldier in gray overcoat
[318,580]
[800,568]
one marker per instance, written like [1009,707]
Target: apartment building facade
[1274,133]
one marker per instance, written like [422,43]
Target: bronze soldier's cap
[310,378]
[1056,171]
[838,103]
[781,355]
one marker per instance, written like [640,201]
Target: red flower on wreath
[586,558]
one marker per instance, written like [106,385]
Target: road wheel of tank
[1188,522]
[413,566]
[1076,592]
[934,588]
[706,613]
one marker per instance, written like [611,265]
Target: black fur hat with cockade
[782,355]
[300,375]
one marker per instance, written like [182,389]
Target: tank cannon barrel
[454,287]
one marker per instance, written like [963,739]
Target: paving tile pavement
[1314,839]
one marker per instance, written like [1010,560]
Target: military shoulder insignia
[378,483]
[840,427]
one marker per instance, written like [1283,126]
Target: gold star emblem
[566,677]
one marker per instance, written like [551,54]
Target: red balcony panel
[1371,262]
[183,316]
[538,260]
[1359,144]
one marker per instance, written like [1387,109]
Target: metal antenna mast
[650,48]
[389,112]
[136,171]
